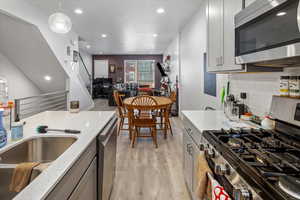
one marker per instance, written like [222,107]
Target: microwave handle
[298,16]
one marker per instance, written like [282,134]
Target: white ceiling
[129,24]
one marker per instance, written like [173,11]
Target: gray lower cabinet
[92,176]
[87,187]
[191,140]
[196,152]
[188,161]
[74,177]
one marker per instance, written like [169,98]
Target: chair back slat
[144,102]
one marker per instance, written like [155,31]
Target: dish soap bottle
[3,133]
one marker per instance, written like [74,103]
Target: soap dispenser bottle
[3,133]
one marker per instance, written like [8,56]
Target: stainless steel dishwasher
[107,150]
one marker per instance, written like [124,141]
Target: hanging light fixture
[60,22]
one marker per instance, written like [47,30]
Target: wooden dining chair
[173,97]
[144,119]
[165,114]
[122,113]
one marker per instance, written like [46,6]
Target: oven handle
[298,16]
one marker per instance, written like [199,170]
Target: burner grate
[266,155]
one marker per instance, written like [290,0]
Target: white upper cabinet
[221,35]
[214,35]
[231,8]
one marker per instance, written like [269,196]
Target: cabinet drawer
[192,131]
[66,185]
[87,187]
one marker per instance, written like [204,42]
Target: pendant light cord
[60,2]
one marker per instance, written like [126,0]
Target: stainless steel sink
[41,149]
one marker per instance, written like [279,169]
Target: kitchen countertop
[90,123]
[213,120]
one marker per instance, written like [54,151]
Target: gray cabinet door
[107,163]
[214,34]
[87,187]
[65,187]
[221,35]
[188,160]
[231,8]
[196,152]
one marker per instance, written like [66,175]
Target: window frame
[136,71]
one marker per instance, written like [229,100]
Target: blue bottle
[3,133]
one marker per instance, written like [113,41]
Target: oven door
[268,30]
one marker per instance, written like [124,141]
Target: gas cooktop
[268,160]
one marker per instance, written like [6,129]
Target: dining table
[163,104]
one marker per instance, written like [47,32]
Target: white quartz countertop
[213,120]
[90,123]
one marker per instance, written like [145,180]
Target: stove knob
[218,170]
[202,147]
[211,153]
[222,169]
[242,194]
[225,169]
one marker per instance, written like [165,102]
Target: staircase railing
[90,84]
[28,106]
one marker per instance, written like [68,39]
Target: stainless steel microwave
[267,33]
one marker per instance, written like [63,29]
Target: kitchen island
[50,183]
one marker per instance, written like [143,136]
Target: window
[140,71]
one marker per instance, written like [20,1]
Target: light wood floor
[146,173]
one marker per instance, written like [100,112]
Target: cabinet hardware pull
[188,148]
[191,151]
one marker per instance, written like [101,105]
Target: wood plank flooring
[146,173]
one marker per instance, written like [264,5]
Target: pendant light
[60,22]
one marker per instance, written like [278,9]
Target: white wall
[18,84]
[192,48]
[57,42]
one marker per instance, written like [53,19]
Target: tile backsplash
[260,87]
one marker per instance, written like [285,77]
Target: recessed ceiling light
[78,11]
[281,14]
[47,78]
[103,35]
[88,46]
[160,10]
[155,35]
[101,52]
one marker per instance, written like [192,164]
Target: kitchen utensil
[45,129]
